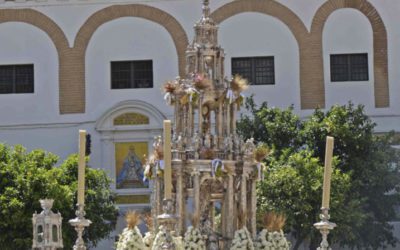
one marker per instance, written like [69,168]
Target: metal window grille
[16,79]
[257,70]
[349,67]
[132,74]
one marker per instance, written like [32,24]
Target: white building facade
[318,53]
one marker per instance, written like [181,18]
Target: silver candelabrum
[324,226]
[80,223]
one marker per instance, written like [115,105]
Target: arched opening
[347,36]
[26,44]
[282,47]
[379,36]
[125,40]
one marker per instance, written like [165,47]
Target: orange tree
[26,177]
[366,178]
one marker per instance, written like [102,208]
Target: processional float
[212,171]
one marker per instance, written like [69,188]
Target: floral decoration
[131,238]
[242,240]
[194,240]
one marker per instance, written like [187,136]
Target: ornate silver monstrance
[214,172]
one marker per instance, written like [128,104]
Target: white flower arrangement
[161,237]
[148,240]
[179,245]
[130,239]
[194,240]
[272,241]
[242,240]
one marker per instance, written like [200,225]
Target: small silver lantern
[47,228]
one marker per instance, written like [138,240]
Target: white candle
[167,160]
[81,167]
[327,172]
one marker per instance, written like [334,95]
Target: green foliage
[366,172]
[275,127]
[26,177]
[293,185]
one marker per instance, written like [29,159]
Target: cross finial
[206,8]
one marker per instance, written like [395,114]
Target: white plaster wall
[61,141]
[348,31]
[25,44]
[304,9]
[187,12]
[247,34]
[70,18]
[254,34]
[389,11]
[128,39]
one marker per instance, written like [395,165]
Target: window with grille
[16,79]
[257,70]
[132,74]
[349,67]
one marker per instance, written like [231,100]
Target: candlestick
[81,167]
[324,226]
[167,160]
[167,221]
[327,172]
[80,222]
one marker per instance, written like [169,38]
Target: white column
[201,115]
[176,114]
[233,118]
[228,119]
[253,207]
[243,199]
[156,201]
[190,120]
[196,190]
[230,227]
[220,125]
[180,203]
[212,215]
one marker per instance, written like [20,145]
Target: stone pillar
[156,201]
[233,118]
[201,114]
[212,215]
[185,122]
[196,194]
[176,118]
[230,219]
[253,208]
[228,119]
[243,199]
[180,203]
[216,122]
[223,215]
[220,125]
[191,120]
[181,120]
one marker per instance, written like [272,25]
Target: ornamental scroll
[131,119]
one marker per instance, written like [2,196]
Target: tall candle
[81,167]
[167,160]
[327,172]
